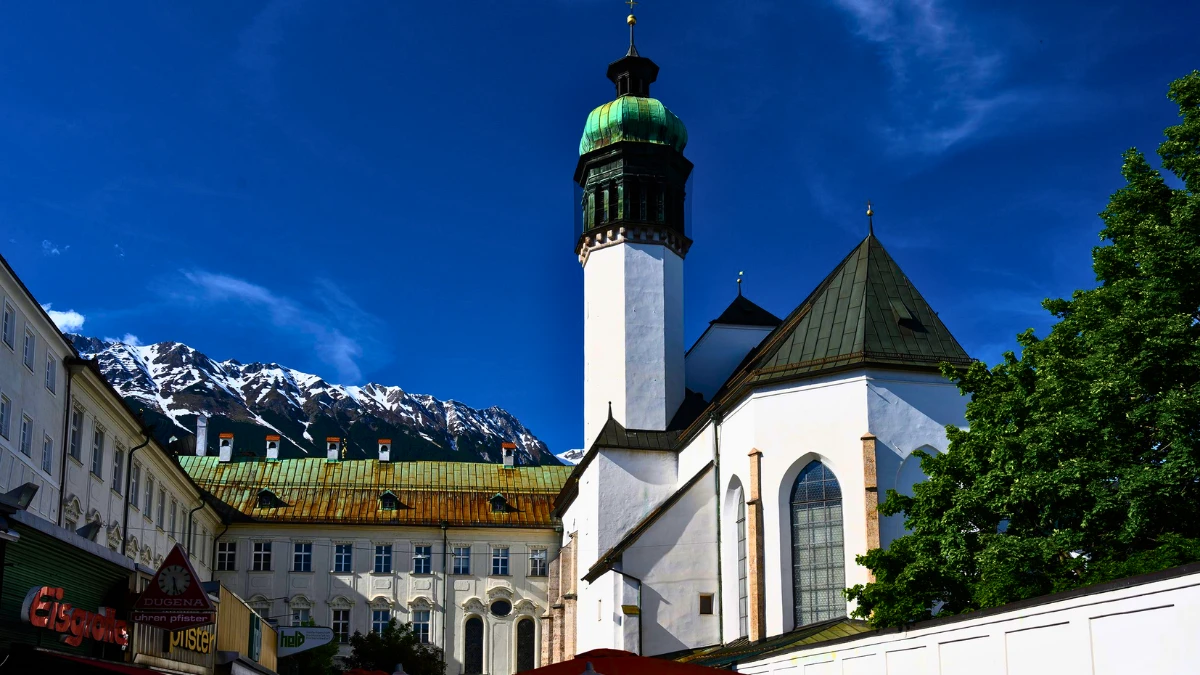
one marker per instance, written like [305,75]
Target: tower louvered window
[818,558]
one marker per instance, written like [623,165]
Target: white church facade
[726,489]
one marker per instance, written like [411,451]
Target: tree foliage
[1082,462]
[397,644]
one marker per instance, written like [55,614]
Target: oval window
[501,607]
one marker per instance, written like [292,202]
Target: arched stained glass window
[818,558]
[743,591]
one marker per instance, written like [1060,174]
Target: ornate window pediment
[499,592]
[71,508]
[132,547]
[420,602]
[260,604]
[114,536]
[526,606]
[473,605]
[380,602]
[300,602]
[158,561]
[146,555]
[341,602]
[94,516]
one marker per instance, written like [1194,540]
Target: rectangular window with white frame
[76,445]
[5,416]
[226,556]
[261,560]
[301,617]
[51,373]
[343,557]
[47,454]
[98,451]
[499,561]
[135,484]
[380,619]
[383,558]
[162,509]
[174,518]
[341,625]
[462,560]
[30,348]
[118,470]
[538,565]
[302,557]
[148,511]
[26,444]
[10,325]
[422,559]
[420,625]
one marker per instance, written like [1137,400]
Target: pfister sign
[295,639]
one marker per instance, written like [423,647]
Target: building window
[538,567]
[47,454]
[149,496]
[76,447]
[422,559]
[420,625]
[174,516]
[302,557]
[526,645]
[51,373]
[388,501]
[380,619]
[98,452]
[261,561]
[462,560]
[135,480]
[162,508]
[383,558]
[818,559]
[10,325]
[226,556]
[119,470]
[743,587]
[29,347]
[26,436]
[706,603]
[5,415]
[341,625]
[500,561]
[301,617]
[343,558]
[473,647]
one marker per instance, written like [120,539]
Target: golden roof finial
[631,20]
[870,219]
[739,283]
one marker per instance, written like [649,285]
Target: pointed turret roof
[743,312]
[866,312]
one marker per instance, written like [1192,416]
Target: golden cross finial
[870,218]
[631,4]
[739,282]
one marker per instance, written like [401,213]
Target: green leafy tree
[315,661]
[396,644]
[1082,461]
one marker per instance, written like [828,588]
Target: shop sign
[193,639]
[302,638]
[174,600]
[43,608]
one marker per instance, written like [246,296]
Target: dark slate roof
[729,655]
[866,312]
[613,435]
[612,555]
[742,312]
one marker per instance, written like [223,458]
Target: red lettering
[120,634]
[42,609]
[36,609]
[63,618]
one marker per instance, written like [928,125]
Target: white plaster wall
[597,620]
[469,595]
[693,457]
[632,484]
[676,560]
[633,337]
[27,390]
[908,411]
[719,350]
[1148,628]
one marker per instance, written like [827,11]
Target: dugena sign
[44,608]
[296,639]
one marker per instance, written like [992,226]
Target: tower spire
[632,21]
[870,219]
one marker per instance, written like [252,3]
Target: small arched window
[388,501]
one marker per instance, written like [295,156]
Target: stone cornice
[632,233]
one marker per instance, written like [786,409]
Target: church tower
[632,242]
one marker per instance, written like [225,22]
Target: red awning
[113,666]
[617,662]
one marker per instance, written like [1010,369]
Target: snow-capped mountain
[173,383]
[571,456]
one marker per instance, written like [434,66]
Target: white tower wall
[633,337]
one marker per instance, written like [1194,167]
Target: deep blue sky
[381,191]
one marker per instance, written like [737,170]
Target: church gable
[866,312]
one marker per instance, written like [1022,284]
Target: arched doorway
[818,557]
[473,646]
[525,645]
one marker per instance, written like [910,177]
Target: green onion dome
[632,118]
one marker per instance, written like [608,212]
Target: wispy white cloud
[69,321]
[944,80]
[118,250]
[51,249]
[322,327]
[127,339]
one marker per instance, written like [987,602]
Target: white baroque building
[727,488]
